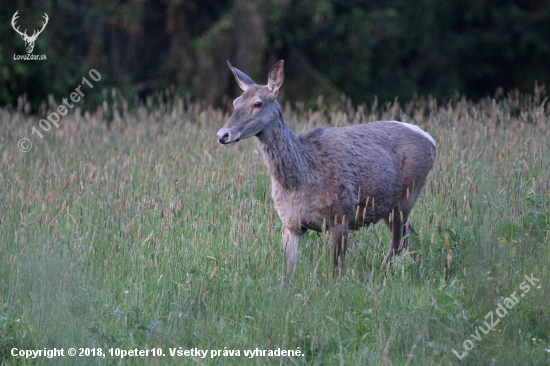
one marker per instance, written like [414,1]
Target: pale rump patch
[417,129]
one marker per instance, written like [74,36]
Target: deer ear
[242,79]
[276,77]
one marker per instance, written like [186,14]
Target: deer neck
[283,152]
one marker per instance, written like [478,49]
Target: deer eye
[258,105]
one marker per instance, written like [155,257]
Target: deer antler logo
[29,40]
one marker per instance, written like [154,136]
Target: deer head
[255,108]
[29,40]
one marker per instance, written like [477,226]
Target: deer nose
[223,137]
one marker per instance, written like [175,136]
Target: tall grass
[135,229]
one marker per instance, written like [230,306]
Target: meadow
[129,229]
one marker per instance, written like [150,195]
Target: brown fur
[325,178]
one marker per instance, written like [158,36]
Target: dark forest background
[361,49]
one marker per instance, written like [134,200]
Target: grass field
[144,233]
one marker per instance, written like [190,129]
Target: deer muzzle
[225,137]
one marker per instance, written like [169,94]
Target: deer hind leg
[398,224]
[291,243]
[339,236]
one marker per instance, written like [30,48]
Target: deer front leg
[291,243]
[339,235]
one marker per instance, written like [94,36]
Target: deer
[332,179]
[29,41]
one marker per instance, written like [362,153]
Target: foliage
[361,49]
[146,233]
